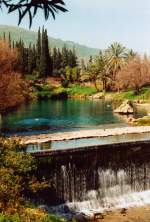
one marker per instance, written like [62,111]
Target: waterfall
[113,177]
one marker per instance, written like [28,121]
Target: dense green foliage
[17,179]
[15,171]
[143,95]
[33,216]
[40,60]
[80,90]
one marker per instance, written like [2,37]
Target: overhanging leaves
[31,8]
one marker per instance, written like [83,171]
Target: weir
[98,177]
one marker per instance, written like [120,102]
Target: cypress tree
[49,62]
[13,44]
[46,64]
[72,58]
[43,59]
[30,60]
[38,49]
[64,57]
[9,40]
[4,36]
[54,58]
[59,59]
[34,56]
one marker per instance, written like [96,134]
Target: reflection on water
[90,142]
[62,115]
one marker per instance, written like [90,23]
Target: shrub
[65,83]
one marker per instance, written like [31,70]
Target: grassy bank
[45,91]
[143,95]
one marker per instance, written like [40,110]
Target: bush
[13,89]
[32,215]
[65,83]
[59,93]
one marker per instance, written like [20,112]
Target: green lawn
[144,95]
[80,90]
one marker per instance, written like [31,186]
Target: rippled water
[62,115]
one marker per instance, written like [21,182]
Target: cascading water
[112,177]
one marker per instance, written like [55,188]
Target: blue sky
[97,23]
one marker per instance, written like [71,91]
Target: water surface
[45,116]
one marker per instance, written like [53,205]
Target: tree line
[117,68]
[41,60]
[114,69]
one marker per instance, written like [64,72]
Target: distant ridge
[31,37]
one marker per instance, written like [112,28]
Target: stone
[89,216]
[43,208]
[99,95]
[125,108]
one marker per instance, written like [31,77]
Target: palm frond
[32,7]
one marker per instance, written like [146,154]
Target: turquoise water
[45,116]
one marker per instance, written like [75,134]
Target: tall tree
[49,62]
[117,56]
[43,68]
[9,40]
[38,49]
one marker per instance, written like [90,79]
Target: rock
[89,216]
[43,208]
[131,120]
[123,211]
[125,108]
[98,96]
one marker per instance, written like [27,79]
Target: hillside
[30,37]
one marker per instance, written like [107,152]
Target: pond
[62,115]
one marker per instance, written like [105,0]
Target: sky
[97,23]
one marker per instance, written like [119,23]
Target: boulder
[89,216]
[99,95]
[125,108]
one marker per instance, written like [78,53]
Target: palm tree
[131,54]
[117,57]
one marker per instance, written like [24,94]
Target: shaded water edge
[109,177]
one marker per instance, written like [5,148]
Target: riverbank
[137,214]
[80,134]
